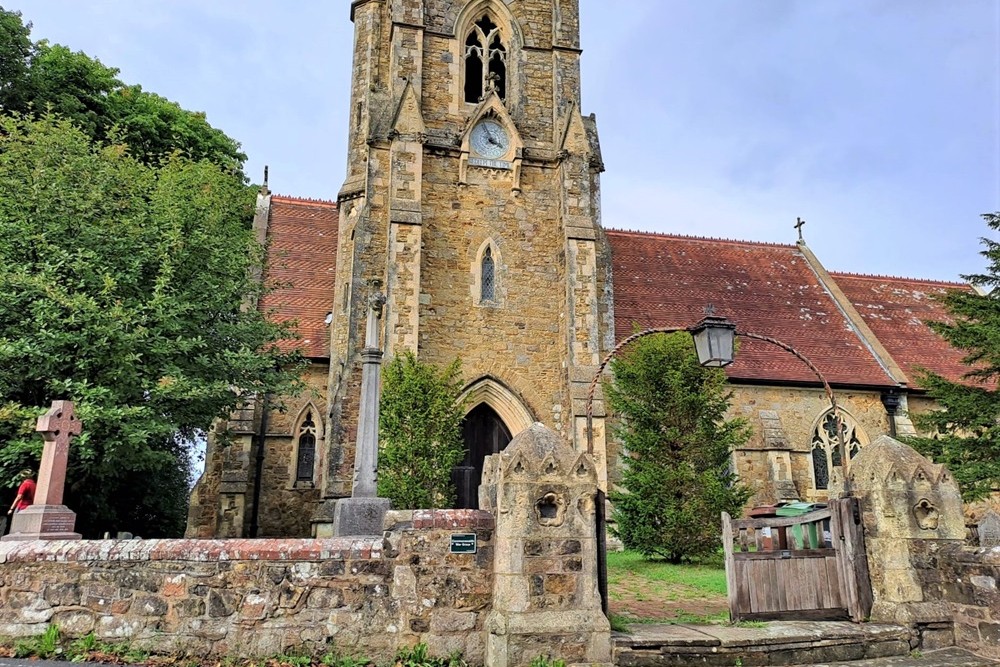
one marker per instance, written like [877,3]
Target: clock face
[490,139]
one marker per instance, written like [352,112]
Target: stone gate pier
[545,595]
[922,574]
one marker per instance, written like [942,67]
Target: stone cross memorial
[363,513]
[48,518]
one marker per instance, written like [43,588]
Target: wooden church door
[484,433]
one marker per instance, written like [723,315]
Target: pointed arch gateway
[495,415]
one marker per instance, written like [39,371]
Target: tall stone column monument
[363,512]
[48,518]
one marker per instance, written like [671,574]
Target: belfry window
[488,277]
[306,457]
[485,61]
[826,454]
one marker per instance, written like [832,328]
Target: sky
[876,121]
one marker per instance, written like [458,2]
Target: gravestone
[989,530]
[545,596]
[48,518]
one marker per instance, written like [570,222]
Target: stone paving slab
[950,657]
[773,633]
[774,643]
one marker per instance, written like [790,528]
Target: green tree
[966,432]
[39,77]
[15,52]
[122,288]
[676,472]
[420,433]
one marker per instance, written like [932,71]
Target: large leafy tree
[676,474]
[420,433]
[123,288]
[15,52]
[966,432]
[41,77]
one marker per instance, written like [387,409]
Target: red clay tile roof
[895,309]
[302,253]
[667,281]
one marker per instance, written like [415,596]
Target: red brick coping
[233,549]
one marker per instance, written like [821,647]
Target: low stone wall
[255,598]
[966,582]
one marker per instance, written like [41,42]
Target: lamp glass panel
[714,345]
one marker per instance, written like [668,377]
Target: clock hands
[490,137]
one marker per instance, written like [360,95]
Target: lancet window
[488,278]
[305,461]
[485,61]
[826,454]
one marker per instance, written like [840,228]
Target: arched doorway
[484,433]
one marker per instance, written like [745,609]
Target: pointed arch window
[305,461]
[488,277]
[485,61]
[826,454]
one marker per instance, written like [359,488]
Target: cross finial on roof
[799,224]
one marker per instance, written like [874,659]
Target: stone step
[773,643]
[948,657]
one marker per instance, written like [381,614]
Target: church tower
[472,202]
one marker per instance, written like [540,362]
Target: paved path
[812,643]
[16,662]
[949,657]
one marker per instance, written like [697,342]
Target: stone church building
[472,202]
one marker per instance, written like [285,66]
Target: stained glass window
[488,278]
[306,458]
[826,454]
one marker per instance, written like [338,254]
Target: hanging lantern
[714,339]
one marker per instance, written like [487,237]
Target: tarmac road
[16,662]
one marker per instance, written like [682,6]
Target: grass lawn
[645,591]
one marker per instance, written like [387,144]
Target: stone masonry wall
[287,505]
[967,581]
[256,598]
[797,411]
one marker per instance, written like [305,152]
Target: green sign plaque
[463,543]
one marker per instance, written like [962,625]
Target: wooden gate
[810,567]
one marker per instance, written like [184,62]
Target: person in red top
[25,492]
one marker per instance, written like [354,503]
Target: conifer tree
[676,474]
[420,433]
[966,432]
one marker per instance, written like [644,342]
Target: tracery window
[485,61]
[306,455]
[488,280]
[826,454]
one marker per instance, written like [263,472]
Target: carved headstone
[989,530]
[545,597]
[48,518]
